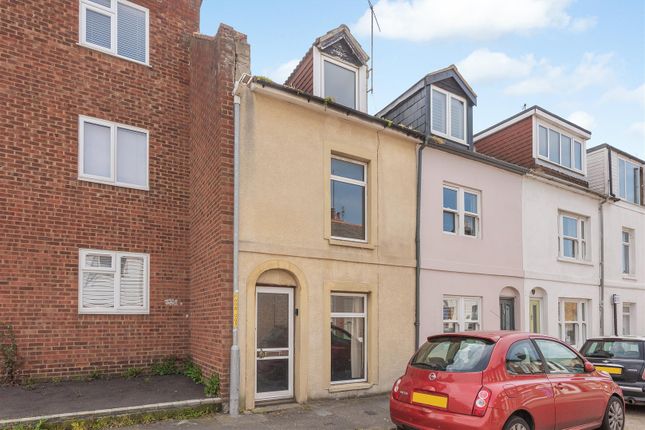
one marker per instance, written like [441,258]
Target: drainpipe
[417,286]
[602,267]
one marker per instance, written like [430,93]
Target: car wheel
[517,423]
[614,415]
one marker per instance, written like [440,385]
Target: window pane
[347,169]
[272,320]
[630,179]
[97,151]
[98,28]
[470,203]
[272,375]
[132,157]
[438,111]
[523,359]
[626,259]
[577,155]
[347,210]
[98,260]
[554,146]
[347,304]
[454,354]
[569,248]
[98,290]
[626,237]
[449,222]
[449,198]
[543,141]
[132,282]
[471,309]
[340,84]
[566,151]
[347,348]
[449,309]
[559,358]
[570,311]
[131,32]
[457,118]
[621,178]
[470,225]
[569,226]
[106,3]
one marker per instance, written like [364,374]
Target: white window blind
[115,26]
[448,115]
[131,157]
[113,282]
[438,111]
[97,144]
[457,125]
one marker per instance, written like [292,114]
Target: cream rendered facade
[285,242]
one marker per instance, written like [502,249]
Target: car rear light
[481,402]
[396,393]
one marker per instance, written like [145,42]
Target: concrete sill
[574,261]
[630,278]
[351,244]
[350,387]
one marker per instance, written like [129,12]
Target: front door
[507,313]
[535,316]
[274,343]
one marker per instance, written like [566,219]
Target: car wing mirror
[589,367]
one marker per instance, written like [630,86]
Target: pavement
[78,396]
[364,413]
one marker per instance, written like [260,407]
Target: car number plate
[430,400]
[610,370]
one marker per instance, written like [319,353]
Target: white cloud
[637,129]
[583,119]
[622,94]
[425,20]
[282,72]
[593,69]
[583,24]
[545,80]
[485,65]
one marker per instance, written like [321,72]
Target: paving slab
[80,396]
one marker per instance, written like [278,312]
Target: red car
[503,380]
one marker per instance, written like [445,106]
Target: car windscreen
[454,354]
[621,349]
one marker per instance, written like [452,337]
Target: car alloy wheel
[517,423]
[518,426]
[615,415]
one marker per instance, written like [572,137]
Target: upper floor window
[573,237]
[461,211]
[628,251]
[118,27]
[348,199]
[629,181]
[112,153]
[559,148]
[448,115]
[339,82]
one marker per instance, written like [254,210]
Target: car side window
[523,359]
[559,358]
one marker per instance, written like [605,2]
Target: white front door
[273,343]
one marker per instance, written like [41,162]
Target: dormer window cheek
[340,82]
[448,115]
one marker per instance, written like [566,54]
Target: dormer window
[629,181]
[559,148]
[448,115]
[339,82]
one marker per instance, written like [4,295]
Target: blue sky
[583,60]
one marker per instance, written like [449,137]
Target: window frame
[537,352]
[460,321]
[582,320]
[550,128]
[84,5]
[112,180]
[345,66]
[631,250]
[350,181]
[630,307]
[448,134]
[364,298]
[115,269]
[581,240]
[622,181]
[461,213]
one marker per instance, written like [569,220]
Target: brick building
[116,184]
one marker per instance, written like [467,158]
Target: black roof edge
[613,148]
[534,107]
[340,108]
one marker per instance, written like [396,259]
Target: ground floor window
[628,315]
[572,320]
[461,314]
[348,337]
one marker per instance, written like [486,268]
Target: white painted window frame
[630,249]
[365,325]
[345,66]
[630,307]
[461,311]
[82,119]
[622,193]
[560,132]
[352,182]
[116,270]
[461,213]
[448,134]
[581,240]
[84,5]
[581,323]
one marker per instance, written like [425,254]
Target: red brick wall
[302,77]
[215,64]
[47,214]
[513,144]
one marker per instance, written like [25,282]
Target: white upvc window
[572,320]
[461,211]
[629,181]
[628,318]
[560,148]
[348,192]
[627,251]
[340,82]
[113,282]
[448,115]
[348,338]
[573,234]
[118,27]
[112,153]
[461,314]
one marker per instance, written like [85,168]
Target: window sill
[630,277]
[351,386]
[122,312]
[574,261]
[112,54]
[114,184]
[351,243]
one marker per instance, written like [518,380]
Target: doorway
[535,315]
[507,313]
